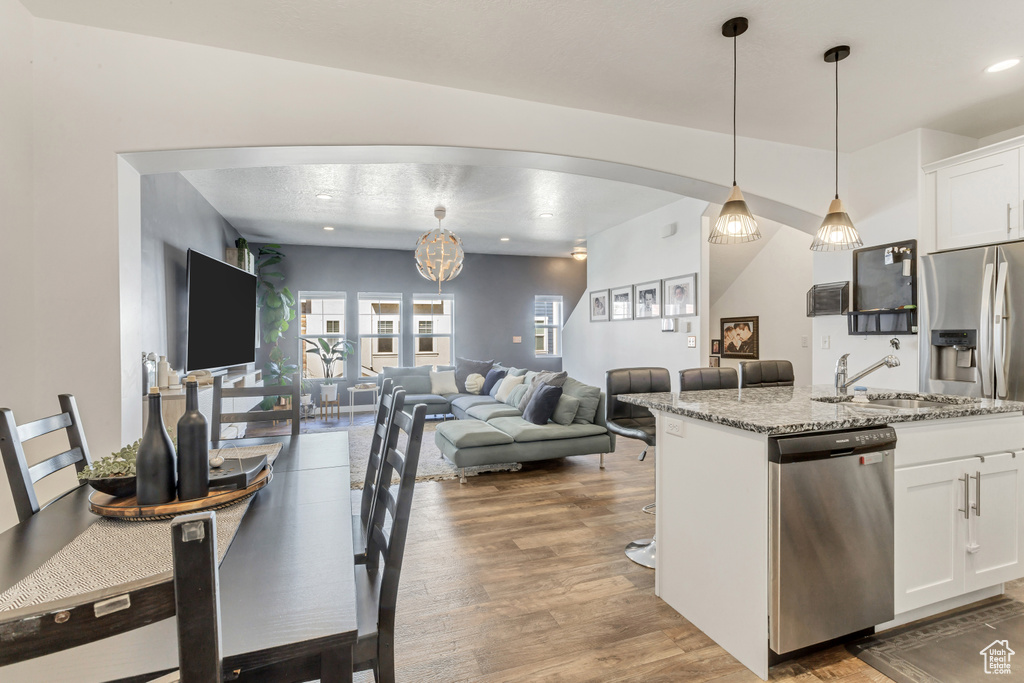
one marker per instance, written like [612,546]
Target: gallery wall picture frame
[741,337]
[647,298]
[714,362]
[621,299]
[716,347]
[679,296]
[599,306]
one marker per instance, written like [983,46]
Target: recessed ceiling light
[323,195]
[547,214]
[1003,65]
[504,239]
[328,228]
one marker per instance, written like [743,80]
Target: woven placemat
[112,552]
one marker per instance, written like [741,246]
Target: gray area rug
[972,645]
[433,466]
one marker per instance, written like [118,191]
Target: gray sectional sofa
[489,432]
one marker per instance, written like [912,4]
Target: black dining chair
[392,401]
[766,373]
[701,379]
[377,579]
[193,596]
[219,417]
[22,477]
[636,422]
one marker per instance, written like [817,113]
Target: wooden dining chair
[20,475]
[377,579]
[191,591]
[392,399]
[220,393]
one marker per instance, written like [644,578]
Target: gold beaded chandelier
[439,253]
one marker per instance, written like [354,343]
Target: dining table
[287,580]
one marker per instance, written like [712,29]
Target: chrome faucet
[842,383]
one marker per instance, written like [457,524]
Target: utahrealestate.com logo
[997,657]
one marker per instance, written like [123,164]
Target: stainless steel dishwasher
[831,535]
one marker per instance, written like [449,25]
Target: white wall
[773,287]
[627,254]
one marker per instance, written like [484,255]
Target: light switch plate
[517,340]
[804,341]
[826,342]
[691,342]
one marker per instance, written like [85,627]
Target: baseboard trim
[939,607]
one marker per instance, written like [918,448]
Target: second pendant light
[735,223]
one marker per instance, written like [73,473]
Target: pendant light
[837,232]
[735,223]
[439,253]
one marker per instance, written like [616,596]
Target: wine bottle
[193,447]
[155,463]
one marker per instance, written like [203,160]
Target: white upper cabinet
[979,201]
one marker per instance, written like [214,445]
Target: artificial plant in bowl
[115,473]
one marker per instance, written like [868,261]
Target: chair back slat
[20,476]
[390,405]
[197,597]
[219,417]
[51,465]
[31,430]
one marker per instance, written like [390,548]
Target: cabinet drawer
[918,443]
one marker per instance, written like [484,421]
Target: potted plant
[277,372]
[113,474]
[329,354]
[277,309]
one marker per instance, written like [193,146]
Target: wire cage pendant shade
[837,232]
[439,253]
[735,223]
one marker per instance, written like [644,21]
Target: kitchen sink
[896,403]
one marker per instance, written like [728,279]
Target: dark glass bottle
[155,466]
[193,447]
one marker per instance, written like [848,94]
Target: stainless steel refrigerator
[972,322]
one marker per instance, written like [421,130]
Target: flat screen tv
[221,314]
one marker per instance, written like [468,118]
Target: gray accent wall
[175,218]
[494,297]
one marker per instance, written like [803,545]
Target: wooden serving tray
[128,507]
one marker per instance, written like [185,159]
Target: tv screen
[221,314]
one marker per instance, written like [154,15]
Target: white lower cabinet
[958,528]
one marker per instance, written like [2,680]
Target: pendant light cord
[837,128]
[734,111]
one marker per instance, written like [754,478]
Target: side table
[352,391]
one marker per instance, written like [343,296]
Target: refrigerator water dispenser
[954,355]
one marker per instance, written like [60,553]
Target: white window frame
[417,335]
[302,338]
[541,324]
[391,297]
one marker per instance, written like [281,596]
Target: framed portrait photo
[716,347]
[679,296]
[599,306]
[714,362]
[740,337]
[648,300]
[622,303]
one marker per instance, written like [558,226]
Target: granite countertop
[788,410]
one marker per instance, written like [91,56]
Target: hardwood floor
[522,577]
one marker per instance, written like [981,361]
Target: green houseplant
[277,309]
[329,354]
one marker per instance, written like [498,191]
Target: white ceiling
[914,63]
[390,205]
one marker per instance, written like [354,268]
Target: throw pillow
[493,376]
[515,399]
[507,385]
[566,409]
[475,383]
[542,406]
[517,372]
[589,398]
[443,383]
[414,384]
[555,379]
[464,368]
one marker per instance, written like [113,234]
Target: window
[321,316]
[432,317]
[380,329]
[547,317]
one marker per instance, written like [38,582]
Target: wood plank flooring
[522,577]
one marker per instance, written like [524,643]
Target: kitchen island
[713,500]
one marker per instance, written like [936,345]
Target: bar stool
[636,422]
[766,373]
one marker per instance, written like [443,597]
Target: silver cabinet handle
[966,509]
[977,495]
